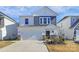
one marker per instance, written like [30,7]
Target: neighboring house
[8,27]
[69,26]
[40,22]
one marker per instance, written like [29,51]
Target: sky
[16,11]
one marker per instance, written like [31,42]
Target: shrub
[44,37]
[55,40]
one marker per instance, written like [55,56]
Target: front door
[48,34]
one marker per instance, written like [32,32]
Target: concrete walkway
[26,46]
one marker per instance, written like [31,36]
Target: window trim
[48,20]
[45,20]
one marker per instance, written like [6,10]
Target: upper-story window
[49,20]
[74,20]
[26,21]
[40,21]
[44,20]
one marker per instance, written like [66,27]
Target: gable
[74,21]
[76,25]
[64,23]
[8,22]
[44,11]
[5,16]
[63,19]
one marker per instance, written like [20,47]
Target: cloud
[68,11]
[16,11]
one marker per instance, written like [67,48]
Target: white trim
[40,20]
[47,19]
[76,25]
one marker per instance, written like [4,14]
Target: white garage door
[35,33]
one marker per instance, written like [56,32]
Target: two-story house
[8,27]
[70,27]
[40,22]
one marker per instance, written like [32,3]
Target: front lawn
[5,43]
[69,46]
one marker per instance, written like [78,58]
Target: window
[49,20]
[73,20]
[44,20]
[26,21]
[40,20]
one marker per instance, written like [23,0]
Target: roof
[68,16]
[73,24]
[41,11]
[63,19]
[4,15]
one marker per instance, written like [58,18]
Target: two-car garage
[31,32]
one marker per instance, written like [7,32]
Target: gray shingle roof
[4,15]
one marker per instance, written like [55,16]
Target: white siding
[9,30]
[4,33]
[69,33]
[65,27]
[65,23]
[30,20]
[8,22]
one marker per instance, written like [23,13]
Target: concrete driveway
[26,46]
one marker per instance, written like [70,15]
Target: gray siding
[53,20]
[36,20]
[11,32]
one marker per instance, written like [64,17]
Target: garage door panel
[29,33]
